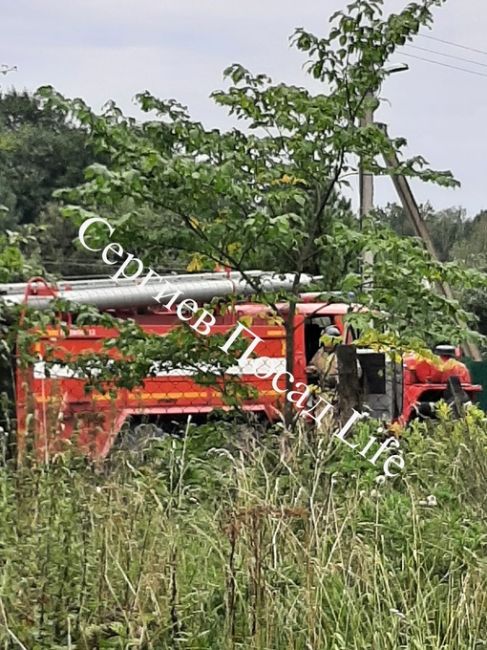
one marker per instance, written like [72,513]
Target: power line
[462,47]
[449,56]
[444,65]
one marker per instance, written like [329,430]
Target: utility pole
[366,179]
[366,183]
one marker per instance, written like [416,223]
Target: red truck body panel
[53,409]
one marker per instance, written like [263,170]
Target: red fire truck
[53,406]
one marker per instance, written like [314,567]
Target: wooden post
[349,392]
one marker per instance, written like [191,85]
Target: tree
[446,227]
[471,250]
[40,151]
[272,189]
[19,255]
[472,247]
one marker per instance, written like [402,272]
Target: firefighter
[446,351]
[324,364]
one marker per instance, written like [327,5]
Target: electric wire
[463,47]
[449,56]
[444,65]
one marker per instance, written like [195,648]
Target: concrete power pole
[366,180]
[366,183]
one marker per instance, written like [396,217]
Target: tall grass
[207,544]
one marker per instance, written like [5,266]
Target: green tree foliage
[446,227]
[269,191]
[60,256]
[39,151]
[455,238]
[19,255]
[471,248]
[406,307]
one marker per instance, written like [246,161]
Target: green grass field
[203,544]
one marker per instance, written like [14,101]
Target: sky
[113,49]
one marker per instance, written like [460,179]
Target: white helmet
[333,331]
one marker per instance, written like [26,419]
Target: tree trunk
[289,325]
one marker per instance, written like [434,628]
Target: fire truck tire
[138,437]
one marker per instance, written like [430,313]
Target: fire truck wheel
[137,438]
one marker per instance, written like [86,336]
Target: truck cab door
[382,385]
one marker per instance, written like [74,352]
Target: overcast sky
[112,49]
